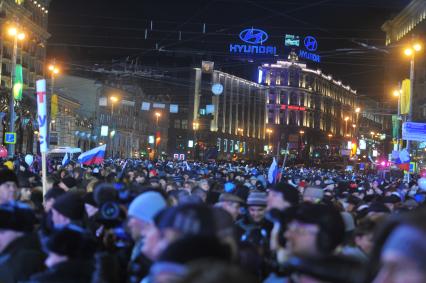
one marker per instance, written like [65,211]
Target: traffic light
[18,84]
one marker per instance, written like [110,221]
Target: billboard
[292,40]
[414,131]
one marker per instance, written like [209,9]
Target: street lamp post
[54,70]
[113,99]
[410,52]
[269,132]
[17,35]
[329,143]
[346,125]
[398,94]
[195,127]
[301,141]
[157,116]
[357,111]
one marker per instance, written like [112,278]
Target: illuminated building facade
[300,98]
[30,17]
[233,121]
[403,30]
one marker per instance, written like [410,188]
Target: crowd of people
[173,221]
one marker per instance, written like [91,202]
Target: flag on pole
[93,156]
[273,172]
[66,159]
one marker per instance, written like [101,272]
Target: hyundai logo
[311,43]
[253,36]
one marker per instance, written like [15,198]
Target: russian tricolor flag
[93,156]
[273,172]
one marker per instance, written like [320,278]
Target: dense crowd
[169,221]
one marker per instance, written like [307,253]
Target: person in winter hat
[140,219]
[8,186]
[282,196]
[67,209]
[20,251]
[70,252]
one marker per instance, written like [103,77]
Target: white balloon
[422,184]
[29,159]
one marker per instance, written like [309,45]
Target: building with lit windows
[26,22]
[406,28]
[233,121]
[307,108]
[29,17]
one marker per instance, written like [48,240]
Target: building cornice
[403,23]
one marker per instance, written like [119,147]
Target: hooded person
[70,252]
[8,186]
[20,252]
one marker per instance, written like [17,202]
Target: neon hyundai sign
[254,39]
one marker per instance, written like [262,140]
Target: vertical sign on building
[42,114]
[18,83]
[405,96]
[395,126]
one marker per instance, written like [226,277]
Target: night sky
[104,31]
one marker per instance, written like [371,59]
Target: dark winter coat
[71,271]
[21,259]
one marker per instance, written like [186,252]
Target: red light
[293,107]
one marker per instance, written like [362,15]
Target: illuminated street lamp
[302,132]
[346,124]
[17,35]
[240,131]
[157,116]
[269,132]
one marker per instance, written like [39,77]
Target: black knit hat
[54,193]
[70,205]
[7,175]
[71,241]
[17,216]
[290,193]
[188,219]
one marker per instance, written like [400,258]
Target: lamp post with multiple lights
[16,35]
